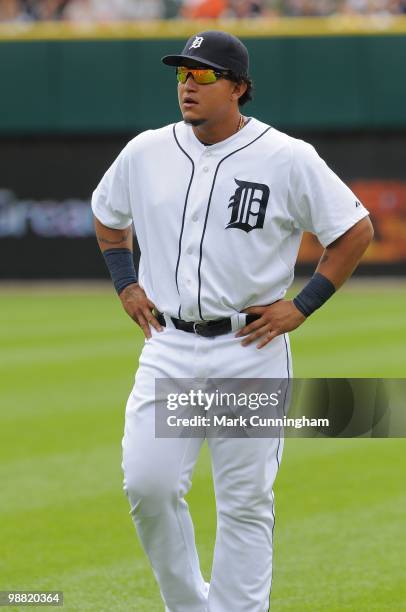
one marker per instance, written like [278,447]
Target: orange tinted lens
[203,76]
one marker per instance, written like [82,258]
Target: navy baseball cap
[214,49]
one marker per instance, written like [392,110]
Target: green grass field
[67,362]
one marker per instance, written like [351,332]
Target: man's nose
[190,83]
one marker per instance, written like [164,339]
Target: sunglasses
[203,76]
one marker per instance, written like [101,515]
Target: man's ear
[239,90]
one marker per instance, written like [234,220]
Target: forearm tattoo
[123,238]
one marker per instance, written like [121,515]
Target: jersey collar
[195,148]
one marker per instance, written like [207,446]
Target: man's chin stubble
[194,122]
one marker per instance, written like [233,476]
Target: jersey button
[205,169]
[189,251]
[195,218]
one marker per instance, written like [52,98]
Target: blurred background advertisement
[80,78]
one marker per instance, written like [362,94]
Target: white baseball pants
[158,471]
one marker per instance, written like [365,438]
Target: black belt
[208,329]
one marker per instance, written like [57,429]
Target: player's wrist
[128,291]
[297,312]
[317,291]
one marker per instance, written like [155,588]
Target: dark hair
[248,95]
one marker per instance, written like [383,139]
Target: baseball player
[219,202]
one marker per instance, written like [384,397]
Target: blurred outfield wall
[71,97]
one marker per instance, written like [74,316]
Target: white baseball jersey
[219,227]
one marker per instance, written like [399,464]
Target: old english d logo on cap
[197,42]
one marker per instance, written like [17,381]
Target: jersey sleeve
[111,198]
[319,202]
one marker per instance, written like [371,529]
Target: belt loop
[168,321]
[238,321]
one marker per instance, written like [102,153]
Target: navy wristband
[317,291]
[120,263]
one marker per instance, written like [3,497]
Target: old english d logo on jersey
[248,206]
